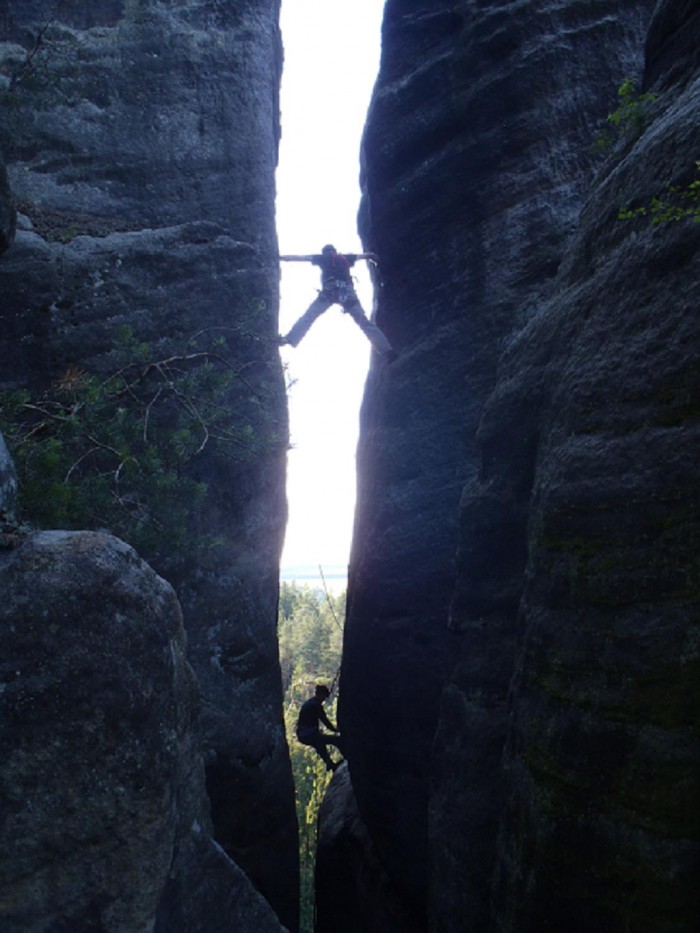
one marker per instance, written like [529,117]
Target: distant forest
[310,627]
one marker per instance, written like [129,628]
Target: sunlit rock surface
[519,680]
[105,819]
[141,142]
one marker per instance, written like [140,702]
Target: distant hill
[336,576]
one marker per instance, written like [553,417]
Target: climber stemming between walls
[337,288]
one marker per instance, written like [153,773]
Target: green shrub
[678,203]
[120,451]
[628,120]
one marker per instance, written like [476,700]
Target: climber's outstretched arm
[296,258]
[371,256]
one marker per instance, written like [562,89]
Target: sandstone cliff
[8,484]
[518,679]
[105,823]
[141,140]
[8,215]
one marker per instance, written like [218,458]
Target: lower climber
[337,288]
[308,731]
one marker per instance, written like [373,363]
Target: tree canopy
[310,626]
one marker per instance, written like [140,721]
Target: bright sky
[330,64]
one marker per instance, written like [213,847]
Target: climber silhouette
[337,288]
[308,731]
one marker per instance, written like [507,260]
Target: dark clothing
[310,714]
[335,267]
[309,733]
[337,289]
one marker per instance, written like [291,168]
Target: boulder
[105,820]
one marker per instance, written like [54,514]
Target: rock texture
[8,215]
[518,680]
[141,142]
[603,759]
[474,172]
[8,483]
[353,891]
[104,816]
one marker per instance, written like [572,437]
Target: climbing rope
[335,619]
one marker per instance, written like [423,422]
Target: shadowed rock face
[602,763]
[474,171]
[141,141]
[353,891]
[521,585]
[105,823]
[8,482]
[8,216]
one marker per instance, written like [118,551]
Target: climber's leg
[320,746]
[379,341]
[315,310]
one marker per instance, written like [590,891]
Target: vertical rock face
[474,172]
[353,891]
[522,578]
[104,823]
[8,215]
[141,140]
[600,829]
[8,482]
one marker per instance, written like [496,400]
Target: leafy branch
[629,118]
[121,451]
[679,203]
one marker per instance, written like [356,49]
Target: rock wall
[8,483]
[353,891]
[141,141]
[8,215]
[521,582]
[105,822]
[602,762]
